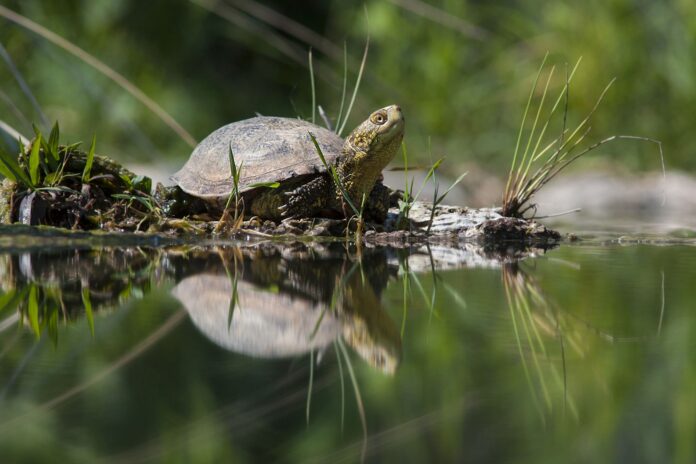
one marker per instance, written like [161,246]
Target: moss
[7,189]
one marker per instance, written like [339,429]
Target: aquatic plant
[539,161]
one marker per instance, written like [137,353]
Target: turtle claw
[285,211]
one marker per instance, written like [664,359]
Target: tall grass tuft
[538,161]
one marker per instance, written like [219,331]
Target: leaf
[271,185]
[53,141]
[87,302]
[233,164]
[51,178]
[87,171]
[146,203]
[142,183]
[433,168]
[33,310]
[34,160]
[10,168]
[142,200]
[126,180]
[5,170]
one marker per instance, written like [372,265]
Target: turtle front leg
[309,199]
[377,204]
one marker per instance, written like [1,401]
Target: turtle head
[377,139]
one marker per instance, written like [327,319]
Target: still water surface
[326,353]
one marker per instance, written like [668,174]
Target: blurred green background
[461,70]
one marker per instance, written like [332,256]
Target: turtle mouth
[396,120]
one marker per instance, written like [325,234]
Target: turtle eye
[379,118]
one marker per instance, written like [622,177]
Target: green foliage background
[461,70]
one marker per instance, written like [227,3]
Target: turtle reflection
[268,304]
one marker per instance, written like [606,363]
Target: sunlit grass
[538,161]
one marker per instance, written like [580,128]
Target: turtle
[281,151]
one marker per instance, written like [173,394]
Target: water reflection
[223,344]
[51,286]
[271,302]
[263,300]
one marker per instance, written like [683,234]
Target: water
[327,353]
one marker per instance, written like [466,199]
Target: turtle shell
[268,149]
[265,325]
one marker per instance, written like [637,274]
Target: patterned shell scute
[268,149]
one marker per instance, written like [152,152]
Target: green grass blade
[334,175]
[342,126]
[9,167]
[34,161]
[564,93]
[345,84]
[428,176]
[271,185]
[87,303]
[314,90]
[233,164]
[87,172]
[432,210]
[524,120]
[454,184]
[235,174]
[53,141]
[524,163]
